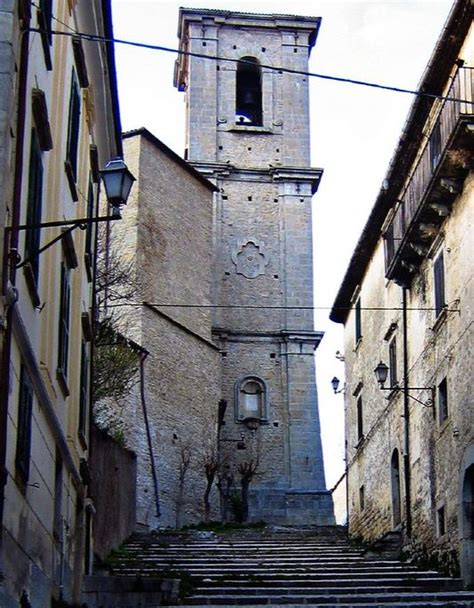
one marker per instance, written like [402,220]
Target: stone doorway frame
[396,490]
[466,517]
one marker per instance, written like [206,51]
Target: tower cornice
[214,170]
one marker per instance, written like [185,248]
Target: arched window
[248,99]
[250,399]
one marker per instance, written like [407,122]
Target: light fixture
[335,385]
[381,373]
[118,182]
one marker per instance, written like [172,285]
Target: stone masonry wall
[169,223]
[438,348]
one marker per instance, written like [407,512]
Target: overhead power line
[279,69]
[264,307]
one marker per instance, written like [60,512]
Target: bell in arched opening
[248,107]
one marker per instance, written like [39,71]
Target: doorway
[466,517]
[395,484]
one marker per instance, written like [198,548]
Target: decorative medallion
[249,257]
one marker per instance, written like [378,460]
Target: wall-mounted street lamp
[118,182]
[381,373]
[335,386]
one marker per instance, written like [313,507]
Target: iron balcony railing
[412,197]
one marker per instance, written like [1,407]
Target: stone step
[134,569]
[344,589]
[252,586]
[377,599]
[244,563]
[304,579]
[219,550]
[268,566]
[220,540]
[351,604]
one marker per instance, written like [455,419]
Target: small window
[251,399]
[392,356]
[34,206]
[84,394]
[362,498]
[360,419]
[248,106]
[73,128]
[443,410]
[439,286]
[441,521]
[23,438]
[358,321]
[64,314]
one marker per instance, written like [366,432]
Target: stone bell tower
[248,132]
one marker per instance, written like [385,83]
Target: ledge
[237,128]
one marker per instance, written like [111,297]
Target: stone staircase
[281,566]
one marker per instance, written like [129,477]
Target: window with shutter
[23,440]
[64,313]
[73,127]
[443,411]
[439,286]
[392,356]
[358,321]
[360,418]
[83,394]
[34,206]
[44,17]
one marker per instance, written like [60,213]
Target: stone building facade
[407,301]
[59,123]
[166,234]
[248,132]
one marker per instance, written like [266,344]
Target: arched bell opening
[248,106]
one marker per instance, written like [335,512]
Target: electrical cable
[263,307]
[279,69]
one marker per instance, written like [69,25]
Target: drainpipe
[9,271]
[143,356]
[406,418]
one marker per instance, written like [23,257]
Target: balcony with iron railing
[436,179]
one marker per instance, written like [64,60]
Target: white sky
[354,130]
